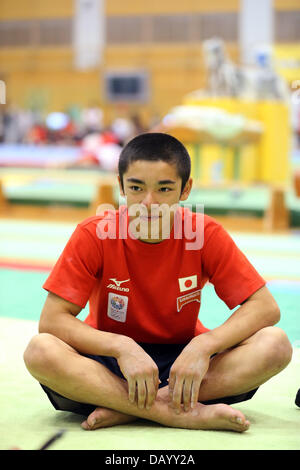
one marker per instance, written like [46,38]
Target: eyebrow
[135,180]
[167,182]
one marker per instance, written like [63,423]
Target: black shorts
[163,355]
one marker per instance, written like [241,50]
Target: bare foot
[214,417]
[104,417]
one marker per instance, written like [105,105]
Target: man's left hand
[186,376]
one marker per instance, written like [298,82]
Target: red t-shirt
[150,292]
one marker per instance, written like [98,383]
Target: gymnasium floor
[27,252]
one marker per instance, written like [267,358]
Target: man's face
[153,190]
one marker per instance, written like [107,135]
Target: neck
[151,232]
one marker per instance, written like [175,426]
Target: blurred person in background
[92,119]
[101,150]
[37,135]
[295,119]
[99,146]
[1,126]
[123,128]
[10,134]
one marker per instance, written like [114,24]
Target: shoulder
[199,220]
[103,226]
[211,225]
[91,223]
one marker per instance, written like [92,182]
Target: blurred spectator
[137,122]
[123,128]
[61,129]
[127,128]
[102,150]
[1,126]
[92,119]
[18,123]
[25,120]
[295,119]
[98,146]
[37,135]
[68,127]
[10,122]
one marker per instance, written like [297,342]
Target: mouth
[149,217]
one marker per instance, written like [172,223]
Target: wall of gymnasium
[37,60]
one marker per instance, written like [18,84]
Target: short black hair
[156,146]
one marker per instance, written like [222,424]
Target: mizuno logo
[117,285]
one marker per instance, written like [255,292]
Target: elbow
[274,314]
[271,309]
[266,307]
[44,325]
[42,328]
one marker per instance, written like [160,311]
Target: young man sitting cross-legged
[142,352]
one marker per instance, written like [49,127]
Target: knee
[37,355]
[277,349]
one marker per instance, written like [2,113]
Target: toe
[92,420]
[241,422]
[85,425]
[91,425]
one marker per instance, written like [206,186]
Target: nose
[149,200]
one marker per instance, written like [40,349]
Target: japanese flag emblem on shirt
[187,283]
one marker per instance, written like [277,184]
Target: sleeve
[227,268]
[77,269]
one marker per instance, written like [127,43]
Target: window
[222,25]
[48,32]
[126,86]
[16,33]
[171,28]
[124,29]
[55,32]
[287,27]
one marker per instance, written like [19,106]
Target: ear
[186,190]
[120,187]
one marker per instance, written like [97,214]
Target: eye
[165,189]
[135,188]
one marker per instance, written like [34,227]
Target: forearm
[82,337]
[256,313]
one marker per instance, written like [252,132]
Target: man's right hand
[141,374]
